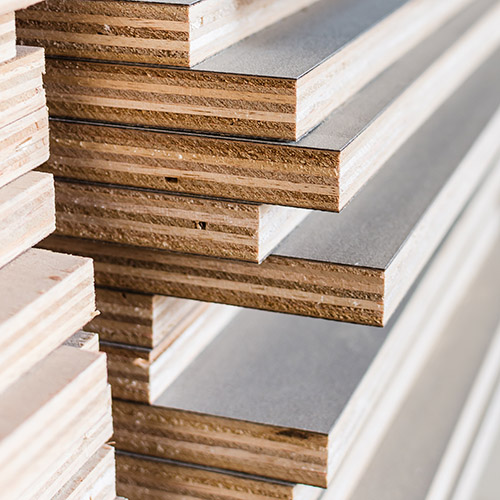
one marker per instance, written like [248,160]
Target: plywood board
[410,453]
[27,214]
[250,90]
[274,368]
[46,297]
[140,319]
[21,91]
[321,171]
[179,223]
[148,478]
[7,36]
[95,480]
[141,374]
[355,266]
[45,411]
[180,33]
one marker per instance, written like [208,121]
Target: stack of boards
[55,401]
[308,161]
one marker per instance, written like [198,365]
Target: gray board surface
[372,228]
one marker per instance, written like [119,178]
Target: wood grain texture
[147,478]
[139,374]
[7,36]
[323,170]
[354,267]
[27,214]
[45,412]
[171,33]
[178,223]
[84,340]
[140,319]
[248,90]
[46,297]
[261,423]
[95,480]
[15,5]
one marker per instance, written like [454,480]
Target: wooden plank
[139,319]
[95,480]
[7,36]
[148,478]
[353,267]
[321,171]
[261,423]
[84,340]
[410,452]
[47,410]
[141,374]
[27,214]
[178,223]
[46,297]
[249,90]
[162,32]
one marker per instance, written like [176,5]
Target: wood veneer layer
[178,33]
[27,214]
[321,171]
[15,5]
[353,267]
[262,423]
[141,374]
[249,90]
[178,223]
[46,297]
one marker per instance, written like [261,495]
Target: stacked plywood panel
[55,402]
[339,162]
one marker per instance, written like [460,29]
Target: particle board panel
[248,89]
[24,145]
[161,32]
[179,223]
[140,319]
[148,478]
[355,266]
[46,297]
[7,36]
[141,374]
[274,368]
[410,453]
[84,340]
[321,171]
[21,86]
[27,214]
[95,480]
[45,411]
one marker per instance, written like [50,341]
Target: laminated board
[274,368]
[321,171]
[27,213]
[249,89]
[358,265]
[172,32]
[46,297]
[7,36]
[141,374]
[179,223]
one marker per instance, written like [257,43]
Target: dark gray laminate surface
[294,46]
[370,231]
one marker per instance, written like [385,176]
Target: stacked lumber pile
[335,171]
[55,401]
